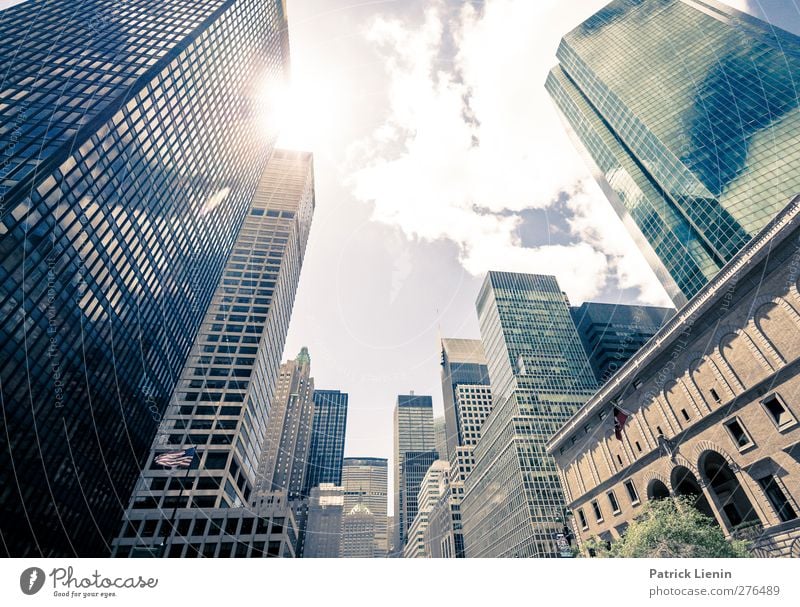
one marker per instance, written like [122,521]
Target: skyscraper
[415,466]
[325,518]
[688,113]
[468,402]
[358,533]
[132,147]
[463,364]
[327,439]
[282,466]
[432,487]
[365,481]
[539,374]
[221,404]
[612,333]
[413,431]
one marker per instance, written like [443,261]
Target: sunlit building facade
[513,503]
[221,404]
[687,111]
[133,142]
[712,410]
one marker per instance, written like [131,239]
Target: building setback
[123,187]
[358,533]
[221,403]
[539,374]
[612,333]
[647,88]
[413,431]
[712,404]
[365,481]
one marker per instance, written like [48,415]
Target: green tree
[671,527]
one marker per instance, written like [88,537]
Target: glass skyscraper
[132,148]
[221,403]
[688,113]
[512,504]
[413,431]
[328,429]
[613,333]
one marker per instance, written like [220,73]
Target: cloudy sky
[439,156]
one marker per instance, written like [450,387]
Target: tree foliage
[671,528]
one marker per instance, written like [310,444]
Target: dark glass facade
[415,466]
[613,333]
[688,112]
[326,451]
[131,151]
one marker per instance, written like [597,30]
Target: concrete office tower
[468,402]
[713,410]
[612,333]
[132,146]
[647,89]
[415,466]
[413,431]
[221,404]
[283,459]
[327,439]
[431,488]
[440,437]
[358,533]
[540,376]
[365,481]
[325,514]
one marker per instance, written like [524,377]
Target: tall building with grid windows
[468,402]
[365,481]
[512,504]
[687,111]
[325,519]
[131,148]
[413,431]
[327,439]
[221,404]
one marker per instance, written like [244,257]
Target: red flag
[620,417]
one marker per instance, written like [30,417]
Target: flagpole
[170,528]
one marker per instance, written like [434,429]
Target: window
[638,446]
[612,499]
[598,514]
[582,519]
[777,498]
[715,396]
[778,412]
[659,430]
[619,459]
[631,489]
[738,433]
[685,414]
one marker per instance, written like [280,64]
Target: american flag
[177,459]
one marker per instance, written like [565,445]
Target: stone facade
[713,403]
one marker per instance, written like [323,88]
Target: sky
[438,156]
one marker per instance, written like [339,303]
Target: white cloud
[471,138]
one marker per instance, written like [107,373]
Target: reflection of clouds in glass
[215,200]
[741,95]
